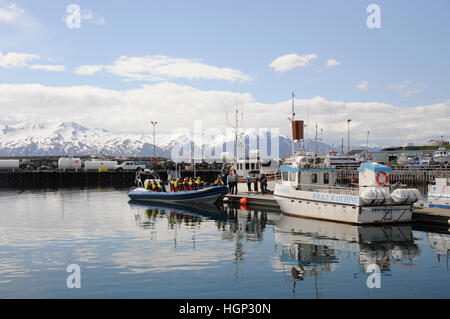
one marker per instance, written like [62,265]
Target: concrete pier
[432,215]
[253,199]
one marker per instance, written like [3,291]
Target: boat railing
[270,177]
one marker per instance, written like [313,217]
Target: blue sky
[404,63]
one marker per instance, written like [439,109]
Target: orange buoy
[352,181]
[243,207]
[243,201]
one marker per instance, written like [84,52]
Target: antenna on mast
[237,133]
[292,122]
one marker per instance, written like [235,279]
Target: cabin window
[314,178]
[252,165]
[292,176]
[326,178]
[285,176]
[247,165]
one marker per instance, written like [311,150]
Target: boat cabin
[308,178]
[254,166]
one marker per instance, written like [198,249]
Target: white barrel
[69,163]
[95,165]
[9,164]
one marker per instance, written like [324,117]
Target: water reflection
[309,247]
[126,249]
[236,225]
[440,243]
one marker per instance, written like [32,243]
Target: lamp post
[154,146]
[367,146]
[348,141]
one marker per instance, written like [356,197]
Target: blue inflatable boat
[205,195]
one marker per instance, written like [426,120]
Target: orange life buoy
[386,178]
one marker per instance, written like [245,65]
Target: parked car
[130,166]
[423,164]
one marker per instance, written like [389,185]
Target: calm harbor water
[130,250]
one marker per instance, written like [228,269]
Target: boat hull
[346,208]
[207,195]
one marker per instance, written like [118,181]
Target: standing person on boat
[172,185]
[249,182]
[263,184]
[186,184]
[234,180]
[161,187]
[255,184]
[230,183]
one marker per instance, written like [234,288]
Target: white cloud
[162,68]
[88,69]
[177,106]
[48,67]
[14,60]
[10,12]
[291,61]
[405,90]
[332,62]
[363,85]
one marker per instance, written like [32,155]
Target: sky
[129,63]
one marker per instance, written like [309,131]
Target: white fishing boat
[441,155]
[309,188]
[439,191]
[255,167]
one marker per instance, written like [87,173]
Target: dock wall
[70,179]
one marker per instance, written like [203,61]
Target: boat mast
[292,121]
[237,133]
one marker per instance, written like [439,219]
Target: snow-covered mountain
[69,138]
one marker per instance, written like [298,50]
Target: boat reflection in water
[309,247]
[234,225]
[440,243]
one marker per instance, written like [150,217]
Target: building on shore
[438,142]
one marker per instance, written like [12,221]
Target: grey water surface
[130,250]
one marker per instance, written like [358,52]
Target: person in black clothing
[263,184]
[255,183]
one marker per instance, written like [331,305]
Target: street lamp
[154,145]
[348,141]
